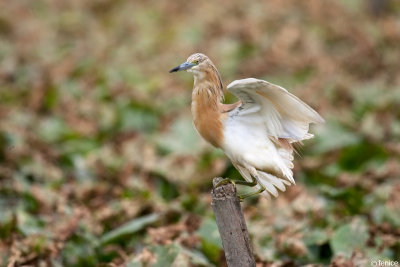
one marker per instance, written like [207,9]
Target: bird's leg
[262,189]
[235,182]
[225,181]
[246,183]
[254,182]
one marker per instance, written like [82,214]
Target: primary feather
[284,114]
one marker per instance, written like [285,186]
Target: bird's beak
[183,66]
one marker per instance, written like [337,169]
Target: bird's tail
[272,183]
[269,181]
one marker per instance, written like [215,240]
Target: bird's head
[203,69]
[196,63]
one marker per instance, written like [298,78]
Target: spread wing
[281,113]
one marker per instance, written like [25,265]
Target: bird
[257,133]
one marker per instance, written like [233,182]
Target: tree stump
[232,226]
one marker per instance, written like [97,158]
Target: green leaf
[51,98]
[208,231]
[197,258]
[165,255]
[182,138]
[166,189]
[382,214]
[350,237]
[334,136]
[129,228]
[211,244]
[52,129]
[135,118]
[357,157]
[351,198]
[161,256]
[80,249]
[315,237]
[28,224]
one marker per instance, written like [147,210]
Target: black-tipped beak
[175,69]
[183,66]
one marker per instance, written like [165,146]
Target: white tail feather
[277,182]
[272,182]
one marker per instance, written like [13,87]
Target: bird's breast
[208,119]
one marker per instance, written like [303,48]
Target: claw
[251,184]
[242,197]
[225,181]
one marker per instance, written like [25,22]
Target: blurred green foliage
[100,163]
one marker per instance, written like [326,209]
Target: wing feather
[283,114]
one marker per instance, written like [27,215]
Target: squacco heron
[256,133]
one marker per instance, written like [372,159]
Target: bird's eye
[195,62]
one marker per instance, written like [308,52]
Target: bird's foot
[224,182]
[245,183]
[243,197]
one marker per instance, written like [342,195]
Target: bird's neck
[206,107]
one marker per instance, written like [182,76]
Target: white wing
[281,113]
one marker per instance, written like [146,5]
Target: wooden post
[232,226]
